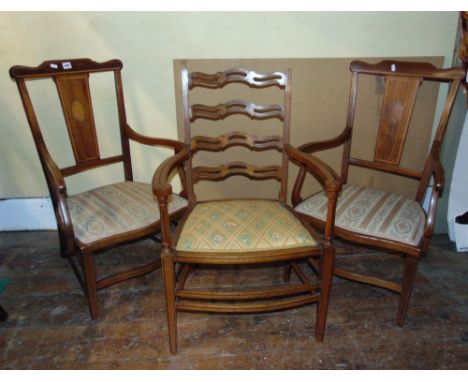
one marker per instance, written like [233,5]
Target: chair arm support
[161,178]
[326,176]
[326,144]
[163,189]
[152,141]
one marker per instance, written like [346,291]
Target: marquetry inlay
[78,111]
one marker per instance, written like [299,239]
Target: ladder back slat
[236,168]
[248,77]
[236,138]
[224,110]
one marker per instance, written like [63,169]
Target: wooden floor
[49,326]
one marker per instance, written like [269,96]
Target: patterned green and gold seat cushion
[114,209]
[371,212]
[242,226]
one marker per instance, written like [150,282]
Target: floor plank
[49,326]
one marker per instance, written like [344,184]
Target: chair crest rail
[408,69]
[64,67]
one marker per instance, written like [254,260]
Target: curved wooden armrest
[437,170]
[59,190]
[321,171]
[161,178]
[52,168]
[326,144]
[153,141]
[434,168]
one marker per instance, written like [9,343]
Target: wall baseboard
[27,214]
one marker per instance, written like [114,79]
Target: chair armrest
[326,144]
[161,178]
[153,141]
[319,169]
[434,168]
[437,171]
[58,190]
[54,171]
[51,168]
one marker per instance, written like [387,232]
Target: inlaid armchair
[92,221]
[241,231]
[376,217]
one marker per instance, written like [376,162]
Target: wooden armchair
[369,216]
[92,221]
[241,231]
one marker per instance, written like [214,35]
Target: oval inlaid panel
[396,112]
[78,111]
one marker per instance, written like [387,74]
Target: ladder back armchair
[241,231]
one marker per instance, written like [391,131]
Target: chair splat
[397,108]
[75,98]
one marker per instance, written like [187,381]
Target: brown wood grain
[236,75]
[236,138]
[397,108]
[75,98]
[224,110]
[49,327]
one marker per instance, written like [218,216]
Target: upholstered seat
[372,212]
[242,226]
[114,209]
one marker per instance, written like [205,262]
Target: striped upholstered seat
[111,210]
[371,212]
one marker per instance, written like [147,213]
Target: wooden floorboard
[49,326]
